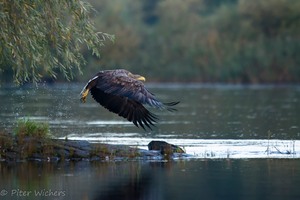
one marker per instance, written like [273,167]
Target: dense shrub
[214,41]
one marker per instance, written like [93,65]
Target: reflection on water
[194,179]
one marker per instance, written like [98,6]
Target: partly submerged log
[14,148]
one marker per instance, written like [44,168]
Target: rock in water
[164,147]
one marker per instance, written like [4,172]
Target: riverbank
[18,149]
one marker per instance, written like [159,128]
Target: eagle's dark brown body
[124,93]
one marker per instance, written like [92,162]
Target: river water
[243,142]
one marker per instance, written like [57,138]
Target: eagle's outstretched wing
[123,93]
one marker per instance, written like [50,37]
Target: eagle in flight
[124,93]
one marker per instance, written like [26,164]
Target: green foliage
[208,40]
[26,127]
[172,40]
[41,38]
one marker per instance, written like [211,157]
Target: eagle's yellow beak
[141,78]
[137,77]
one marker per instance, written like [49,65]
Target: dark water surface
[205,112]
[226,127]
[194,179]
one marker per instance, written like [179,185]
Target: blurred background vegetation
[232,41]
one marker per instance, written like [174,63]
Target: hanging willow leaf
[40,38]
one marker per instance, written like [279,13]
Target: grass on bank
[32,140]
[28,128]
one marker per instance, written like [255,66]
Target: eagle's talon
[83,99]
[84,94]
